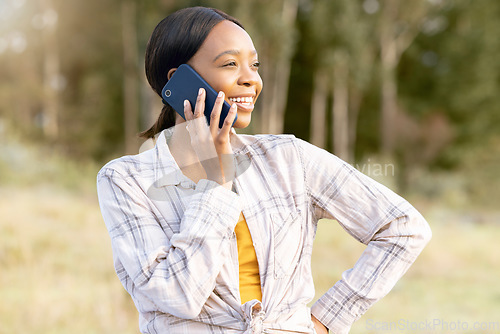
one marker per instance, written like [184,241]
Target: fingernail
[200,91]
[186,103]
[221,94]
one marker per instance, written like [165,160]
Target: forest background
[405,91]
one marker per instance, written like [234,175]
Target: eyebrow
[231,52]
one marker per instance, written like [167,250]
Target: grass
[57,274]
[452,285]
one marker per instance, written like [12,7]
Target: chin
[243,121]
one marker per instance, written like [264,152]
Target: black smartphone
[184,85]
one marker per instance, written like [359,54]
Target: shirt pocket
[287,241]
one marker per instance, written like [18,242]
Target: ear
[171,72]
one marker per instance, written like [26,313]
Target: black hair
[174,41]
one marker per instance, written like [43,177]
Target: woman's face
[228,61]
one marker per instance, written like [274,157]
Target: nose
[249,77]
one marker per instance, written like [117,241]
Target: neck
[184,155]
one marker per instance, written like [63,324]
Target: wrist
[228,185]
[318,326]
[218,178]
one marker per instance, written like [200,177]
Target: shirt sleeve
[175,275]
[394,232]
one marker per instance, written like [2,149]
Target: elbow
[184,308]
[190,311]
[422,233]
[173,299]
[426,233]
[427,236]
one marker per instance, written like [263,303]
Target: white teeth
[241,99]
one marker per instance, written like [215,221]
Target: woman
[212,232]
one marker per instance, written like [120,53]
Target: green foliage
[447,80]
[452,69]
[53,238]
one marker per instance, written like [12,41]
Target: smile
[244,103]
[241,99]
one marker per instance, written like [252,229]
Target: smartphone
[184,85]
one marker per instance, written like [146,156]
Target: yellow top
[249,267]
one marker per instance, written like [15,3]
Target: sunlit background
[408,92]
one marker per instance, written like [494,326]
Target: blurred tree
[272,25]
[399,24]
[48,21]
[318,108]
[21,68]
[131,81]
[340,30]
[451,70]
[92,118]
[434,61]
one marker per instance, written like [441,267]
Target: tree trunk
[131,78]
[278,77]
[389,96]
[289,16]
[268,100]
[318,109]
[280,93]
[355,98]
[340,107]
[389,62]
[151,105]
[51,71]
[399,25]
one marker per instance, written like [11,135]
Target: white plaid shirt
[175,251]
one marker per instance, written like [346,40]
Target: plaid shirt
[175,250]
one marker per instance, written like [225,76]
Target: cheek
[212,77]
[224,86]
[260,85]
[219,83]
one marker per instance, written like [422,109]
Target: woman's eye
[231,63]
[256,64]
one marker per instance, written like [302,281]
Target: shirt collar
[167,172]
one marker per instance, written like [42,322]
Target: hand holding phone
[184,85]
[210,143]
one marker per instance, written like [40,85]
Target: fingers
[198,108]
[220,136]
[215,115]
[188,113]
[228,122]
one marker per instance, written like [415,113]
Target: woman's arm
[395,234]
[318,326]
[175,275]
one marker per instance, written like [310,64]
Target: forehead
[226,35]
